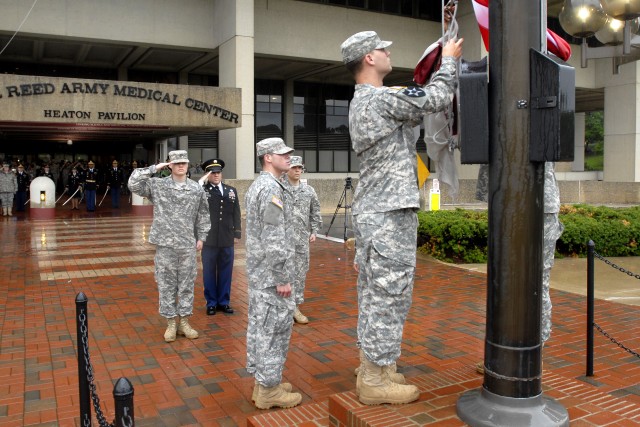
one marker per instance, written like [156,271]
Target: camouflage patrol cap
[359,44]
[296,161]
[178,156]
[5,164]
[272,146]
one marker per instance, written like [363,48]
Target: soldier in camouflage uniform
[269,270]
[179,229]
[8,187]
[381,122]
[306,223]
[553,229]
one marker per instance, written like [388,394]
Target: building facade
[282,57]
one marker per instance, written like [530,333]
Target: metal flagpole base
[483,408]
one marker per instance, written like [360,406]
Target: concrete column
[621,131]
[237,70]
[578,158]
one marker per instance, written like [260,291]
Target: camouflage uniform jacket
[269,257]
[381,122]
[180,214]
[306,218]
[8,182]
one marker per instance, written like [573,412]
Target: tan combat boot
[170,333]
[376,388]
[268,397]
[390,371]
[9,211]
[285,386]
[299,317]
[185,329]
[4,211]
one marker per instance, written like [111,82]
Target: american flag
[555,44]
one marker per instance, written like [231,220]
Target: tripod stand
[343,203]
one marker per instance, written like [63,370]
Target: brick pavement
[204,383]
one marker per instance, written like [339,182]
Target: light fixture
[613,22]
[623,10]
[43,196]
[69,142]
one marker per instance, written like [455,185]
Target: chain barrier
[92,387]
[617,267]
[602,331]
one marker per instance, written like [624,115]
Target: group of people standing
[78,180]
[86,182]
[282,219]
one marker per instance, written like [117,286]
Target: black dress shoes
[225,308]
[211,311]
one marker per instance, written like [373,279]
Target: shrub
[461,235]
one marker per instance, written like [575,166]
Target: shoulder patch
[276,201]
[413,92]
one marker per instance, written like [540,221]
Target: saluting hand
[161,166]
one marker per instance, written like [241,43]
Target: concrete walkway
[570,275]
[203,382]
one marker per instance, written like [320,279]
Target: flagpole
[511,394]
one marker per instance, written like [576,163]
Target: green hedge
[461,235]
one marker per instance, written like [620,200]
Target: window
[268,111]
[321,127]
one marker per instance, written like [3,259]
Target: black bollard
[591,247]
[123,401]
[82,326]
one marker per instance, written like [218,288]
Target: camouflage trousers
[553,229]
[175,274]
[386,256]
[269,326]
[300,268]
[6,199]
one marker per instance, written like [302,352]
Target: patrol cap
[296,161]
[213,165]
[272,146]
[178,156]
[359,44]
[5,164]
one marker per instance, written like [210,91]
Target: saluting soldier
[115,180]
[179,229]
[91,178]
[218,251]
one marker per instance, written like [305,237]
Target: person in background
[91,183]
[218,250]
[115,180]
[74,183]
[8,188]
[306,223]
[24,180]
